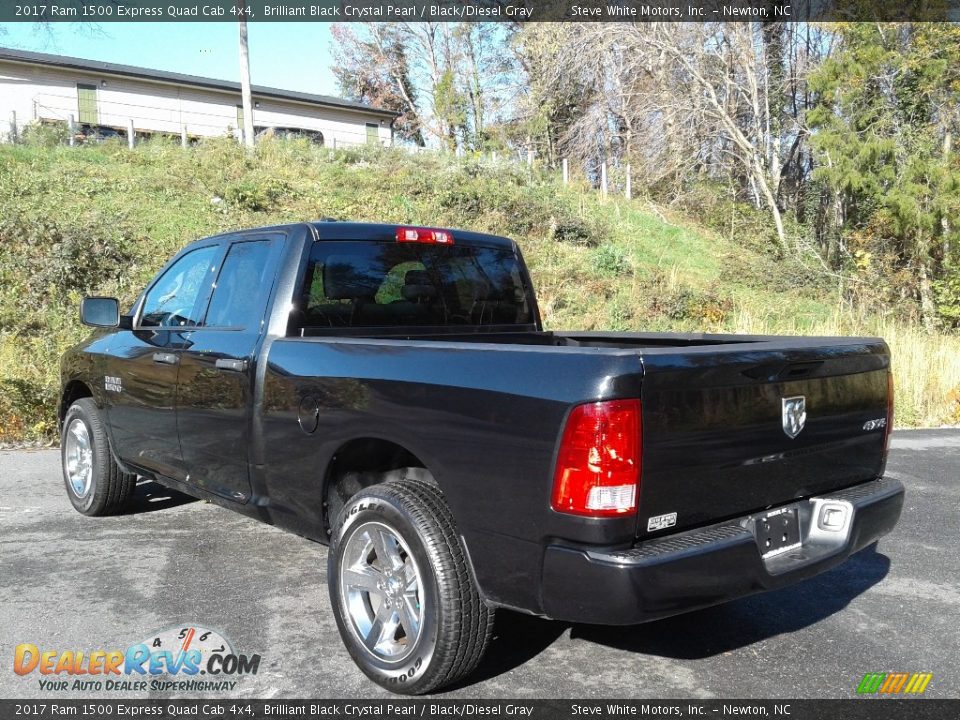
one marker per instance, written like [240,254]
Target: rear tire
[402,593]
[95,483]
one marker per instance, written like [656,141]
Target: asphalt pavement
[68,582]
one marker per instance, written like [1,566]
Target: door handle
[231,364]
[165,358]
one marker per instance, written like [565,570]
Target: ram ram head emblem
[794,415]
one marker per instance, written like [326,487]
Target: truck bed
[487,408]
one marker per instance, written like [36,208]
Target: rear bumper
[710,565]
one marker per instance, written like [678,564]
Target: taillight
[598,464]
[424,235]
[889,426]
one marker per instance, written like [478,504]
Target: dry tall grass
[926,366]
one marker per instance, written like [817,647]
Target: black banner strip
[873,708]
[105,11]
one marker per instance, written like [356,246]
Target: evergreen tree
[883,131]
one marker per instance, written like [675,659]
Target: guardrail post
[183,136]
[130,137]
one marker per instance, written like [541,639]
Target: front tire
[95,483]
[403,596]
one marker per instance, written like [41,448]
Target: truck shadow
[701,634]
[149,496]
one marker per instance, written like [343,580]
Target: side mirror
[101,312]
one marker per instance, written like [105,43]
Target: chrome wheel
[79,458]
[380,589]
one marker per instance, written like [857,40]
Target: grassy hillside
[102,219]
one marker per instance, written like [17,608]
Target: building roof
[96,66]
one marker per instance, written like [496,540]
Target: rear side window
[366,284]
[243,287]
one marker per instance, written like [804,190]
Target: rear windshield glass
[365,284]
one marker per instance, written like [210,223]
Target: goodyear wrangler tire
[95,483]
[404,600]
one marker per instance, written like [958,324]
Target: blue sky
[292,56]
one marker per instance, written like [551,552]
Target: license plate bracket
[777,532]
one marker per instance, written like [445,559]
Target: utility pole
[245,76]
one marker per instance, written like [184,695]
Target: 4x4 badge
[794,415]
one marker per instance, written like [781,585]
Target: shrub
[678,301]
[575,230]
[44,261]
[947,292]
[45,134]
[258,194]
[25,410]
[610,260]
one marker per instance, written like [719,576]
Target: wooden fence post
[566,172]
[71,129]
[130,139]
[629,188]
[603,178]
[184,140]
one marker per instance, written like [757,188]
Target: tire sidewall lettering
[407,674]
[398,520]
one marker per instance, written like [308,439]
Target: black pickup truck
[391,391]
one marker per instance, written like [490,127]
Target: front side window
[367,284]
[172,301]
[243,287]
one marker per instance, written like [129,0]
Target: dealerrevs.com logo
[189,659]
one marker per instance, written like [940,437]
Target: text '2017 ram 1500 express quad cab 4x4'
[390,391]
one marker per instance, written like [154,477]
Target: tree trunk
[928,309]
[771,200]
[944,220]
[245,92]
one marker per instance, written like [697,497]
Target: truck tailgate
[717,437]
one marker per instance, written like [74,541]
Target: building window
[87,105]
[373,134]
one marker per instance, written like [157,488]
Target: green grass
[102,219]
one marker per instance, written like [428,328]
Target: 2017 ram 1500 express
[390,391]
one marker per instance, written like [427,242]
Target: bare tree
[448,79]
[727,68]
[373,67]
[678,101]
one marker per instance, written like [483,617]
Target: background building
[37,87]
